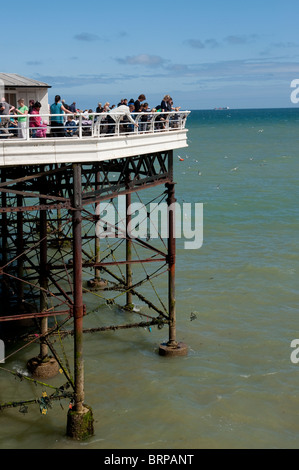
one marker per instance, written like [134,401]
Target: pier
[55,194]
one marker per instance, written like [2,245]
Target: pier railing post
[80,420]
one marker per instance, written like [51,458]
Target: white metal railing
[96,125]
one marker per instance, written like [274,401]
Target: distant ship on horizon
[218,109]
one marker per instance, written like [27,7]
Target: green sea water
[237,310]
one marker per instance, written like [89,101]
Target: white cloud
[87,37]
[143,59]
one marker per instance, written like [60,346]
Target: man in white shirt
[117,113]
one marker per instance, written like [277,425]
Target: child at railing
[70,127]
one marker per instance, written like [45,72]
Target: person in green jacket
[22,111]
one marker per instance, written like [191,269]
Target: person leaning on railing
[57,122]
[123,110]
[5,110]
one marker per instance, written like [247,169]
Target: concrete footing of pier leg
[80,424]
[43,369]
[178,349]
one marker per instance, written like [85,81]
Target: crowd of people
[64,118]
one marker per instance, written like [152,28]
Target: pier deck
[94,144]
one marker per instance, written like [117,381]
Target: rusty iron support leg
[78,295]
[4,257]
[97,272]
[43,366]
[43,277]
[129,296]
[97,283]
[80,420]
[97,240]
[171,268]
[20,261]
[172,347]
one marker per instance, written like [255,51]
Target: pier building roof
[15,80]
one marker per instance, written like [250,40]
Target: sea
[237,302]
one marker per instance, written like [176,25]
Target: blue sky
[205,54]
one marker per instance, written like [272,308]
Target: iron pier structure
[55,194]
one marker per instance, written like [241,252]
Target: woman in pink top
[36,121]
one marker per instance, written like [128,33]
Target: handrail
[96,125]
